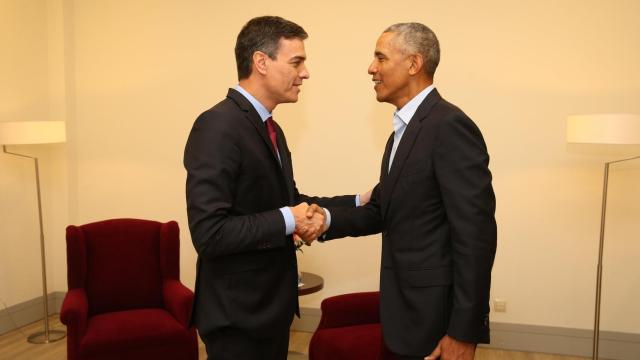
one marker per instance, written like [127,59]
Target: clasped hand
[310,222]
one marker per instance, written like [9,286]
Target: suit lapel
[384,168]
[287,167]
[252,116]
[404,148]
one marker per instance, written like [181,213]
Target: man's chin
[292,99]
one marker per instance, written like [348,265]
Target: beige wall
[133,75]
[29,90]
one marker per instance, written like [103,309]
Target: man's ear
[260,62]
[416,64]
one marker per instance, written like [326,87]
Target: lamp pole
[46,336]
[596,326]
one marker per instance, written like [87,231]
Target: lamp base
[41,338]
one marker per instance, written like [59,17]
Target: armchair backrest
[121,263]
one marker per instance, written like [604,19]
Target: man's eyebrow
[379,54]
[298,58]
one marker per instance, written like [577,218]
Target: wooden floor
[14,346]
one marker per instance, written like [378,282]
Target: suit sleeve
[212,159]
[348,201]
[356,221]
[461,166]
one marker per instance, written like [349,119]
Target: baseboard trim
[30,311]
[531,338]
[517,337]
[308,320]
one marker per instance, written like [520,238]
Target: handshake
[311,223]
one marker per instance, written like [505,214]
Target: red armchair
[125,299]
[349,329]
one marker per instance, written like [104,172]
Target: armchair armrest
[178,300]
[73,314]
[350,309]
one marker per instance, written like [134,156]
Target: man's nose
[372,68]
[304,74]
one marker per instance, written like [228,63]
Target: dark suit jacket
[435,209]
[246,269]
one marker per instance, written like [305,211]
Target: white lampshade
[604,129]
[32,132]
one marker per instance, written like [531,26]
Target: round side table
[310,284]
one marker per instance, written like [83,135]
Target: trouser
[235,344]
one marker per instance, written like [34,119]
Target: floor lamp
[603,129]
[36,132]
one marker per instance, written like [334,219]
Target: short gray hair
[418,39]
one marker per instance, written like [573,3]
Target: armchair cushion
[347,343]
[123,274]
[121,334]
[349,329]
[350,309]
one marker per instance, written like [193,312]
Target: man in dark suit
[240,201]
[434,205]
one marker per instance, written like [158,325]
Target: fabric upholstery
[349,329]
[145,331]
[125,299]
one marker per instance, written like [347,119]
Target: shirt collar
[401,117]
[262,111]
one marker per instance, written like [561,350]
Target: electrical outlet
[499,305]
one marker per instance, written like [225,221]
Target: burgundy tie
[271,129]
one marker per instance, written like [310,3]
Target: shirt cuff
[357,200]
[328,217]
[289,220]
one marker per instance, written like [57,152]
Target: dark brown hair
[263,34]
